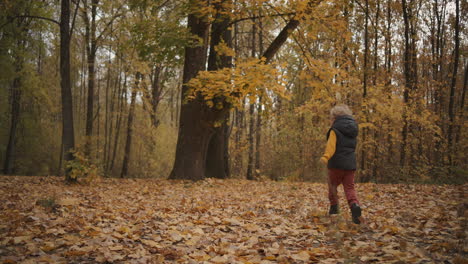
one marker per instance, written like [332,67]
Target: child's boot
[356,213]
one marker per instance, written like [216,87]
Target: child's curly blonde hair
[340,110]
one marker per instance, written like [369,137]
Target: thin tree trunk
[15,90]
[68,134]
[108,114]
[98,117]
[462,106]
[456,57]
[258,132]
[118,122]
[128,142]
[91,49]
[408,79]
[155,95]
[374,82]
[258,136]
[250,164]
[388,45]
[366,49]
[363,166]
[116,96]
[376,43]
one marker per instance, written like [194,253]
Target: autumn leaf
[283,223]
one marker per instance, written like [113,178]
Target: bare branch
[30,16]
[74,18]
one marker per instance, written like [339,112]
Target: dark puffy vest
[346,130]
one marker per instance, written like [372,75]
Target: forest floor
[226,221]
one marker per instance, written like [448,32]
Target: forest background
[232,89]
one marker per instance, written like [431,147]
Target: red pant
[345,177]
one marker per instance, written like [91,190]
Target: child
[340,158]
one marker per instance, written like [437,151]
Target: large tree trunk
[217,159]
[196,118]
[68,134]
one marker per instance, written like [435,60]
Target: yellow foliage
[250,78]
[223,50]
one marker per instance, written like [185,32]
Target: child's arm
[330,148]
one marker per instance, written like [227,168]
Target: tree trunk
[155,95]
[258,132]
[68,134]
[366,49]
[196,118]
[363,167]
[462,105]
[131,113]
[118,122]
[456,57]
[258,136]
[388,45]
[376,43]
[91,49]
[10,155]
[408,78]
[250,164]
[217,159]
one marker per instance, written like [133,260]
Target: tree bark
[118,122]
[156,93]
[363,167]
[10,155]
[217,159]
[91,49]
[258,132]
[462,105]
[131,113]
[196,118]
[250,163]
[408,78]
[456,58]
[68,134]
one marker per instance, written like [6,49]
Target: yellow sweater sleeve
[330,148]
